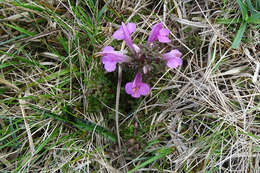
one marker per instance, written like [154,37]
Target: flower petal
[144,89]
[173,58]
[108,49]
[155,32]
[109,54]
[131,27]
[164,32]
[176,53]
[137,87]
[105,59]
[129,88]
[174,62]
[119,34]
[172,54]
[136,94]
[127,37]
[110,66]
[112,58]
[163,39]
[137,80]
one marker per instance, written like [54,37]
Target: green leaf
[257,22]
[254,18]
[243,9]
[239,35]
[162,153]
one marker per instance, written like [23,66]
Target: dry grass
[202,117]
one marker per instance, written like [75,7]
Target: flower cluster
[141,57]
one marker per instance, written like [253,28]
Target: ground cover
[57,106]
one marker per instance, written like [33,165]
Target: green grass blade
[254,18]
[79,123]
[239,36]
[55,75]
[13,39]
[257,5]
[49,114]
[243,9]
[64,43]
[41,148]
[28,6]
[163,153]
[228,21]
[250,7]
[46,141]
[22,30]
[103,10]
[8,64]
[22,59]
[257,22]
[83,16]
[85,125]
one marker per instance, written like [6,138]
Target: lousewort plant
[142,58]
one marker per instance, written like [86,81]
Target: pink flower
[137,87]
[173,58]
[124,34]
[111,58]
[119,34]
[159,33]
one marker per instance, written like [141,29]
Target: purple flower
[159,33]
[137,87]
[173,58]
[119,34]
[124,34]
[111,58]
